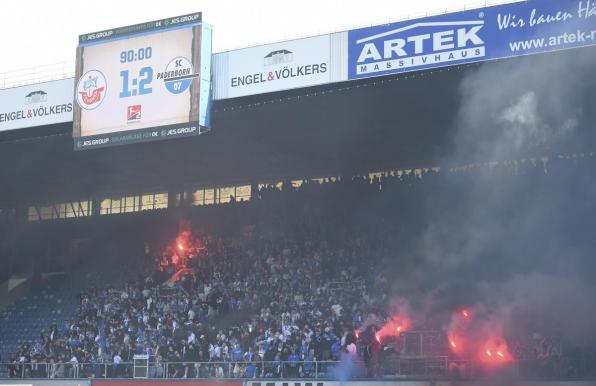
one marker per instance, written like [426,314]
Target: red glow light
[180,247]
[394,327]
[465,313]
[378,338]
[455,344]
[496,353]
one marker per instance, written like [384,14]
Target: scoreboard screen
[144,82]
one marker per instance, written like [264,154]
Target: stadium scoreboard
[144,82]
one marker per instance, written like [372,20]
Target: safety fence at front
[167,370]
[403,368]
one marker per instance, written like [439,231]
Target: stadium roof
[398,121]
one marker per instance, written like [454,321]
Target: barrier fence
[38,74]
[410,368]
[167,370]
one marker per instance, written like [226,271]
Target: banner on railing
[44,382]
[162,382]
[408,383]
[315,382]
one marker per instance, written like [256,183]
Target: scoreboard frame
[197,84]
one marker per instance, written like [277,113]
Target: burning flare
[496,352]
[397,325]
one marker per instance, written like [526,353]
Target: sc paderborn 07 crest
[178,75]
[91,89]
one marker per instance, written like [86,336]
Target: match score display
[144,82]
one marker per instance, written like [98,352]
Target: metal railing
[167,370]
[440,368]
[39,74]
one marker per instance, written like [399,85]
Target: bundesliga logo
[133,113]
[91,90]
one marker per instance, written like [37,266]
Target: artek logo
[133,113]
[91,90]
[401,48]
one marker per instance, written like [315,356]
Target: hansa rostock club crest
[91,89]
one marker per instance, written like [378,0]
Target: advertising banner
[36,105]
[44,382]
[318,382]
[497,32]
[163,382]
[273,67]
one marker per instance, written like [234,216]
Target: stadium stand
[279,286]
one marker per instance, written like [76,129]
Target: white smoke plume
[514,248]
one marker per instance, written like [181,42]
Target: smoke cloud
[510,239]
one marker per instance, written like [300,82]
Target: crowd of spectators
[251,305]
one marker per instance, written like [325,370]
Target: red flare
[378,338]
[453,344]
[465,313]
[496,352]
[180,247]
[394,327]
